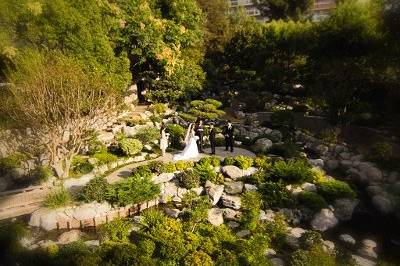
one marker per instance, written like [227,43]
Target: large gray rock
[263,145]
[232,171]
[234,187]
[344,208]
[360,261]
[293,236]
[47,219]
[214,191]
[383,204]
[174,213]
[233,202]
[105,137]
[324,220]
[368,249]
[163,178]
[232,215]
[215,216]
[277,262]
[69,237]
[348,239]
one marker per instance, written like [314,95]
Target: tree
[284,9]
[51,95]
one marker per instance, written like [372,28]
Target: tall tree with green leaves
[284,9]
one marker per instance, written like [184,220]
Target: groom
[228,133]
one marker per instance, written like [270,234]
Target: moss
[335,189]
[312,200]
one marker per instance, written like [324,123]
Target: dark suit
[212,140]
[200,133]
[228,133]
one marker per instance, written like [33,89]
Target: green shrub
[152,217]
[229,161]
[205,170]
[257,178]
[198,258]
[132,190]
[169,167]
[310,239]
[183,165]
[207,109]
[156,166]
[96,146]
[142,170]
[159,108]
[262,162]
[105,158]
[285,150]
[75,253]
[41,174]
[80,165]
[276,230]
[211,160]
[312,200]
[327,136]
[251,250]
[130,146]
[57,199]
[315,256]
[275,194]
[11,162]
[243,162]
[119,253]
[196,207]
[177,134]
[293,171]
[95,190]
[189,179]
[188,117]
[383,154]
[335,189]
[117,230]
[251,205]
[148,135]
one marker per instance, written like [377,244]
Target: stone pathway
[126,171]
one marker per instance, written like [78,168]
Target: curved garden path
[25,201]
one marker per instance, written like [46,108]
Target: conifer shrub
[275,195]
[189,179]
[95,190]
[243,162]
[177,134]
[205,170]
[148,135]
[105,158]
[292,171]
[262,162]
[142,170]
[169,167]
[183,165]
[198,258]
[130,147]
[117,230]
[41,174]
[251,205]
[312,200]
[80,166]
[335,189]
[257,178]
[229,161]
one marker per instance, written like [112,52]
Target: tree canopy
[284,9]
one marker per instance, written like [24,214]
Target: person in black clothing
[200,133]
[212,139]
[228,133]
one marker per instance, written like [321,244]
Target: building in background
[319,11]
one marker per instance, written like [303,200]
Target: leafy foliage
[293,171]
[105,158]
[81,165]
[130,146]
[275,194]
[190,179]
[284,9]
[335,189]
[57,199]
[147,134]
[207,109]
[117,230]
[134,189]
[251,205]
[383,154]
[177,133]
[312,200]
[241,161]
[95,190]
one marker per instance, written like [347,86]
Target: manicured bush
[251,250]
[177,134]
[57,199]
[152,217]
[198,258]
[142,170]
[117,230]
[251,205]
[156,166]
[205,170]
[211,160]
[189,179]
[312,200]
[169,167]
[119,253]
[196,208]
[262,162]
[80,165]
[276,230]
[335,189]
[275,195]
[105,158]
[183,165]
[134,189]
[243,162]
[159,108]
[95,190]
[229,161]
[293,171]
[207,109]
[130,146]
[257,178]
[148,134]
[315,256]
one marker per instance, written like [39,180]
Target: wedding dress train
[190,151]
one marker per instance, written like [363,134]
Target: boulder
[214,191]
[360,261]
[328,245]
[344,208]
[309,187]
[69,237]
[243,233]
[269,216]
[92,243]
[250,187]
[367,249]
[171,188]
[232,215]
[332,164]
[270,252]
[105,137]
[233,224]
[249,171]
[232,171]
[324,220]
[231,201]
[47,219]
[174,213]
[293,216]
[321,149]
[198,190]
[383,204]
[348,239]
[215,216]
[263,145]
[234,187]
[129,131]
[319,163]
[277,262]
[163,178]
[374,190]
[293,236]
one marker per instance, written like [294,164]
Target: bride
[191,151]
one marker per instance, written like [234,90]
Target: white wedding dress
[190,151]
